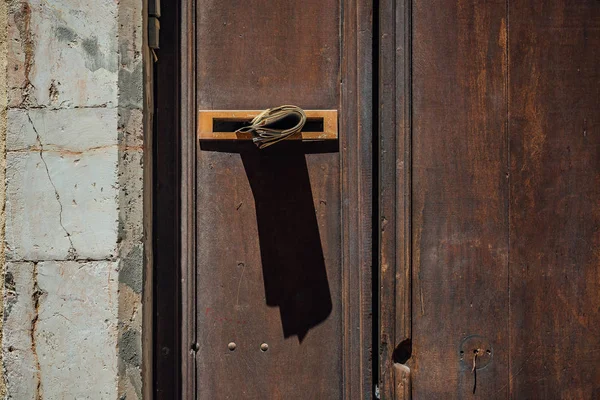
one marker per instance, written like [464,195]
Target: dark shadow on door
[294,272]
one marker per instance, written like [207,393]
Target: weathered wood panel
[460,199]
[282,253]
[254,54]
[268,272]
[555,199]
[269,238]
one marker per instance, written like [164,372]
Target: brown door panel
[554,136]
[459,198]
[489,199]
[277,268]
[268,272]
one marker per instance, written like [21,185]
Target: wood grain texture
[269,236]
[283,255]
[555,199]
[460,197]
[268,272]
[257,54]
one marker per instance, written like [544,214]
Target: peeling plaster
[22,19]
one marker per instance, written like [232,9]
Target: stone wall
[71,140]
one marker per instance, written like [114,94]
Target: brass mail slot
[222,125]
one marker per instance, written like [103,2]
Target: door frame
[173,202]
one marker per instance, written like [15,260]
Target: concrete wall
[71,152]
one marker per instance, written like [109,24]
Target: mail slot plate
[206,119]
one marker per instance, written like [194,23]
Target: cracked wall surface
[71,136]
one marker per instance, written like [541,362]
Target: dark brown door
[282,291]
[445,246]
[490,260]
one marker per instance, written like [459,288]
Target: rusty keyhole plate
[472,345]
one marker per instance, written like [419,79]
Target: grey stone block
[76,333]
[67,209]
[64,53]
[68,130]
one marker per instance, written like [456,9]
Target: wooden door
[491,192]
[444,247]
[277,299]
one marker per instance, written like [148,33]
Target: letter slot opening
[315,124]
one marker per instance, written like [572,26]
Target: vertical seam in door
[359,161]
[375,203]
[409,174]
[195,189]
[507,94]
[195,181]
[343,211]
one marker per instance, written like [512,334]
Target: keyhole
[474,370]
[475,353]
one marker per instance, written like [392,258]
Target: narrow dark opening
[315,124]
[402,352]
[166,293]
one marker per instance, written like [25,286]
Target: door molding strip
[395,168]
